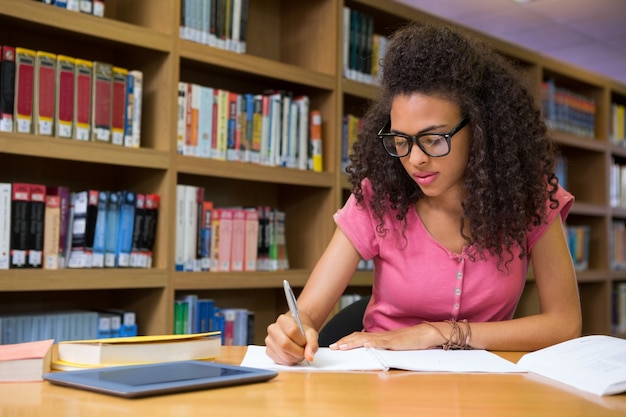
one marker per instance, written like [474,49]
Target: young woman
[454,196]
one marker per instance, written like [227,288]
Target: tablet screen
[159,378]
[169,373]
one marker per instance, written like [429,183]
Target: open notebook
[362,359]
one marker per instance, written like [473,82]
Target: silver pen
[293,306]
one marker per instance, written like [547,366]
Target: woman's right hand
[285,343]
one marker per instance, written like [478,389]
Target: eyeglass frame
[415,139]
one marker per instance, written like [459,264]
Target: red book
[7,87]
[64,217]
[64,100]
[118,106]
[43,109]
[20,214]
[83,73]
[101,106]
[24,86]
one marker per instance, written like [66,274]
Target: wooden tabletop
[394,393]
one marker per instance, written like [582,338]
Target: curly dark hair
[510,172]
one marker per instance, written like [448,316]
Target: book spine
[238,240]
[20,208]
[316,141]
[85,6]
[137,77]
[190,228]
[98,8]
[64,220]
[125,233]
[36,225]
[24,89]
[205,121]
[85,209]
[149,231]
[129,103]
[192,138]
[207,209]
[181,125]
[7,88]
[179,244]
[199,226]
[232,150]
[138,227]
[52,232]
[64,103]
[99,243]
[251,239]
[83,73]
[118,105]
[215,238]
[44,102]
[101,104]
[224,249]
[5,226]
[112,229]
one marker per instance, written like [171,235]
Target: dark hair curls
[510,172]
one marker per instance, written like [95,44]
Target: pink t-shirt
[417,279]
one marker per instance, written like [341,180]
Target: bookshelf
[293,46]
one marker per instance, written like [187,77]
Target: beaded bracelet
[459,338]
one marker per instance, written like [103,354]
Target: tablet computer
[159,378]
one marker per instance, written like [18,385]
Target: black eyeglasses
[432,144]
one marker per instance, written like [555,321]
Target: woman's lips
[425,178]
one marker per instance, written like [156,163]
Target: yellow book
[137,350]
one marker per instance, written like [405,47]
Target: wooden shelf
[82,279]
[252,172]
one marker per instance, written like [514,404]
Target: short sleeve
[566,200]
[358,224]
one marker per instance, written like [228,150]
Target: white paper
[362,359]
[595,364]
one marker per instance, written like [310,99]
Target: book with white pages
[595,363]
[367,359]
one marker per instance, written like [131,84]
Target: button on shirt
[417,279]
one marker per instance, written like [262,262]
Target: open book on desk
[596,364]
[363,359]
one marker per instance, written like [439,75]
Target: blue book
[113,219]
[130,103]
[125,229]
[100,233]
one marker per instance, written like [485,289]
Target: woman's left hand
[417,337]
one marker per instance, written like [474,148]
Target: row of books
[274,128]
[362,48]
[52,228]
[193,314]
[224,239]
[578,238]
[66,325]
[567,110]
[351,125]
[93,7]
[219,23]
[618,244]
[619,308]
[617,127]
[617,184]
[57,95]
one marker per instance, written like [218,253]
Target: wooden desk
[395,393]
